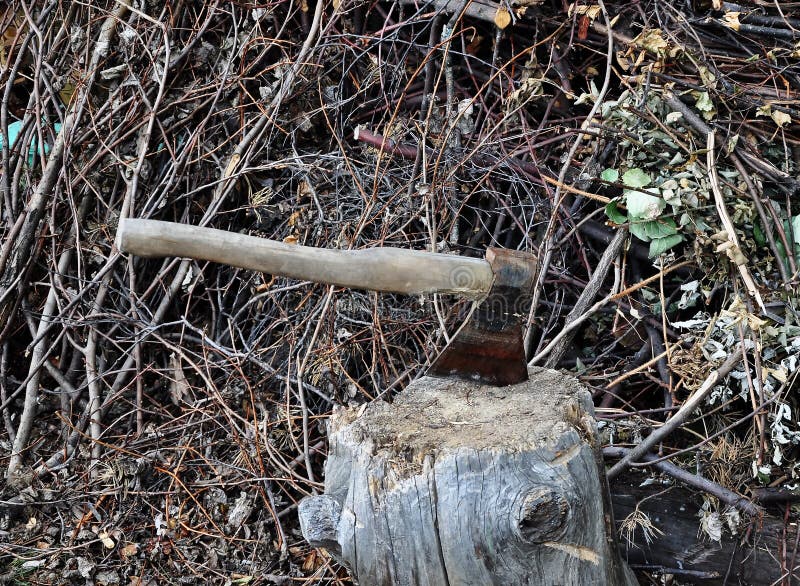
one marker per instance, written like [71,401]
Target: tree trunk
[456,483]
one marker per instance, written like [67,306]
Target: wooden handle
[378,269]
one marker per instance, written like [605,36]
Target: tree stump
[456,483]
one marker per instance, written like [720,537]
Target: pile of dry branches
[162,418]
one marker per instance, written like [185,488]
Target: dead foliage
[163,417]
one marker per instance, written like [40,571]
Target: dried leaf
[179,386]
[303,189]
[11,37]
[232,165]
[711,524]
[731,20]
[312,561]
[67,91]
[240,511]
[652,40]
[106,539]
[781,118]
[85,566]
[114,72]
[592,11]
[187,279]
[502,18]
[129,550]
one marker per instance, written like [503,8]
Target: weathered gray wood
[396,270]
[759,554]
[461,484]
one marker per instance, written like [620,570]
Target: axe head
[489,346]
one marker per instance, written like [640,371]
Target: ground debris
[161,418]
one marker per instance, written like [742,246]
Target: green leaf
[758,235]
[643,206]
[636,178]
[613,213]
[661,245]
[660,228]
[610,175]
[796,229]
[704,102]
[784,256]
[653,230]
[638,230]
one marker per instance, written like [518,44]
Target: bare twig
[695,480]
[685,411]
[581,305]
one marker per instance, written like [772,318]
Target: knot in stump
[319,519]
[543,515]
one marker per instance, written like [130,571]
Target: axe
[488,347]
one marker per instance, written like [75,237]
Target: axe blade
[489,346]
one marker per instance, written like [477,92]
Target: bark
[459,483]
[758,554]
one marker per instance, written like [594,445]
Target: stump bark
[456,483]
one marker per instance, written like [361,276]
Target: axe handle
[387,269]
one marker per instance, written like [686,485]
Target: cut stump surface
[456,483]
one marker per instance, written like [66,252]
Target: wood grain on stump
[456,483]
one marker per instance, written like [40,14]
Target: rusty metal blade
[489,346]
